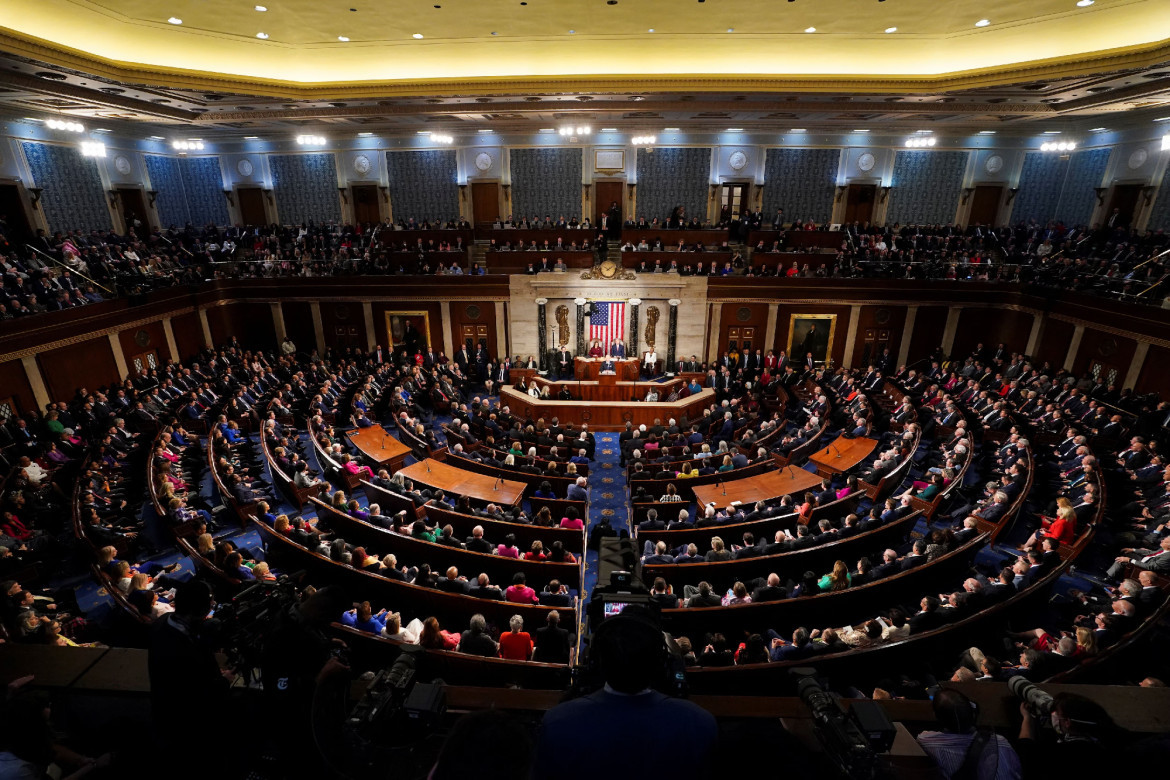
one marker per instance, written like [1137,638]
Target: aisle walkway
[607,498]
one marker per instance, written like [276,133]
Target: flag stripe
[608,322]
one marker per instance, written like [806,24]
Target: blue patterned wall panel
[203,188]
[546,182]
[802,182]
[1160,216]
[306,188]
[1040,183]
[165,179]
[1086,171]
[74,198]
[669,177]
[926,187]
[423,184]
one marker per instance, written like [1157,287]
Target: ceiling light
[417,36]
[1085,3]
[891,29]
[487,130]
[364,135]
[982,22]
[441,139]
[1165,142]
[810,29]
[1051,132]
[251,138]
[919,142]
[735,129]
[609,129]
[261,8]
[310,140]
[797,130]
[643,140]
[1163,119]
[572,32]
[650,30]
[343,39]
[60,124]
[262,36]
[175,20]
[986,132]
[156,138]
[730,29]
[1097,129]
[103,130]
[93,149]
[547,130]
[861,131]
[670,129]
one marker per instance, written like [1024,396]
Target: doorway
[473,336]
[985,204]
[143,362]
[1124,199]
[15,217]
[859,200]
[365,204]
[608,193]
[733,201]
[485,202]
[133,209]
[252,211]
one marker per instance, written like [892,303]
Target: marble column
[172,345]
[672,336]
[278,321]
[580,325]
[119,356]
[318,326]
[206,327]
[542,332]
[1074,344]
[635,309]
[1135,365]
[32,372]
[907,334]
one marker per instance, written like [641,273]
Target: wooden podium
[379,446]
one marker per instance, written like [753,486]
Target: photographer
[297,650]
[1084,736]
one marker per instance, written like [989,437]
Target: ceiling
[1039,65]
[756,43]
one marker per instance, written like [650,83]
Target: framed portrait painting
[811,333]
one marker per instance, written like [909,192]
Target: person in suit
[577,491]
[552,641]
[564,363]
[617,350]
[1157,561]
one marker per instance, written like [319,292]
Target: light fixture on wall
[58,124]
[438,138]
[1166,143]
[1058,146]
[187,146]
[577,130]
[644,140]
[93,149]
[310,140]
[920,142]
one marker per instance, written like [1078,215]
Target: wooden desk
[763,487]
[53,667]
[117,670]
[613,390]
[842,455]
[607,416]
[455,481]
[590,368]
[379,446]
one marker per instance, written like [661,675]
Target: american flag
[607,322]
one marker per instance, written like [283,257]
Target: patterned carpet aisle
[607,498]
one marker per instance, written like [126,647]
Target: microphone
[496,484]
[427,461]
[792,473]
[720,481]
[834,446]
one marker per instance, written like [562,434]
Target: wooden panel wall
[250,323]
[1054,340]
[929,324]
[754,315]
[484,314]
[991,327]
[878,321]
[434,319]
[344,324]
[88,364]
[298,324]
[1113,352]
[152,338]
[188,335]
[14,384]
[1155,373]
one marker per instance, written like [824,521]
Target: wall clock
[866,162]
[483,161]
[245,167]
[1138,159]
[994,164]
[122,165]
[361,164]
[737,160]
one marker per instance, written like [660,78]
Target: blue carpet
[607,498]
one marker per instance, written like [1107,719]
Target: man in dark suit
[564,363]
[552,641]
[771,590]
[476,542]
[928,617]
[483,589]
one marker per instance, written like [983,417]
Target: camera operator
[631,651]
[1084,737]
[188,690]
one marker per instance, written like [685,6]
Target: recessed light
[986,132]
[547,130]
[262,36]
[650,30]
[572,32]
[798,130]
[982,22]
[730,29]
[670,129]
[1163,119]
[1097,129]
[1085,3]
[343,39]
[891,29]
[608,130]
[861,131]
[810,29]
[735,129]
[261,8]
[494,32]
[251,138]
[487,130]
[156,138]
[364,135]
[1051,132]
[416,36]
[175,20]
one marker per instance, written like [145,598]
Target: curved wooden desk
[609,388]
[455,481]
[842,454]
[589,368]
[762,487]
[379,446]
[606,415]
